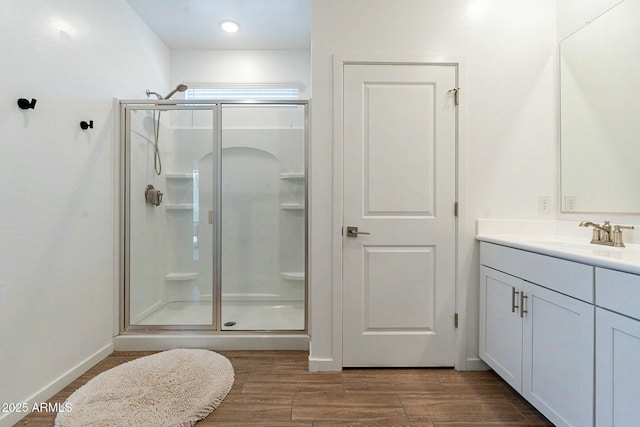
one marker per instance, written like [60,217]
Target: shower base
[258,316]
[283,320]
[247,315]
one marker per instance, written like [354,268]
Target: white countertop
[561,239]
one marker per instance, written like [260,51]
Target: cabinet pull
[514,300]
[523,303]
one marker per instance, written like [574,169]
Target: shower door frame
[124,287]
[126,106]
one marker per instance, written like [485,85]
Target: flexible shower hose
[157,162]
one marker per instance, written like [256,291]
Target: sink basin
[569,246]
[585,247]
[582,246]
[574,245]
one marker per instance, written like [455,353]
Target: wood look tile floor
[274,389]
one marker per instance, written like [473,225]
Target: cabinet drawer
[618,291]
[567,277]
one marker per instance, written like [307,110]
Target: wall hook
[84,125]
[25,104]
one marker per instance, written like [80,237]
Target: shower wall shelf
[179,207]
[178,175]
[292,275]
[180,277]
[292,175]
[292,206]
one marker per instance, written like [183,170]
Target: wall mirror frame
[600,114]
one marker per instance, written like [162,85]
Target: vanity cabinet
[536,330]
[617,348]
[501,324]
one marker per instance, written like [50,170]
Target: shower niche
[226,250]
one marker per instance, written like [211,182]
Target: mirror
[600,113]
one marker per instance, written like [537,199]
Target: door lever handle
[353,232]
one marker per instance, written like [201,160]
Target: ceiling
[264,24]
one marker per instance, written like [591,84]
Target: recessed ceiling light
[229,26]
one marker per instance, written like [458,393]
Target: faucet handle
[627,227]
[616,234]
[595,236]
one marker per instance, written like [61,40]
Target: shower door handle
[353,232]
[210,217]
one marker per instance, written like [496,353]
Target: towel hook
[25,104]
[84,125]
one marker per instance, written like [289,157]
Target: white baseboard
[317,364]
[45,393]
[475,364]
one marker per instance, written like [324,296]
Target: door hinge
[455,209]
[455,320]
[456,95]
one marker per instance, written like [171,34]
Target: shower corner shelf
[178,175]
[182,206]
[180,277]
[292,206]
[292,175]
[292,275]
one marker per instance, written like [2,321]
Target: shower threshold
[236,315]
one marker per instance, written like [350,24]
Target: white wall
[58,184]
[508,143]
[242,66]
[574,14]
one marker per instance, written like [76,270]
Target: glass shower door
[263,224]
[170,202]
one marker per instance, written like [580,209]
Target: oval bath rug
[171,388]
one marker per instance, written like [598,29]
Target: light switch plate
[544,204]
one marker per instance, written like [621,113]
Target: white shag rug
[172,388]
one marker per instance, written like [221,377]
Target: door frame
[339,62]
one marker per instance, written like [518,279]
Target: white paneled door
[399,188]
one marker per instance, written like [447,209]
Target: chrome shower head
[180,88]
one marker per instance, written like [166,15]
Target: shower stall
[214,216]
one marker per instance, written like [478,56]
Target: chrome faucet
[606,234]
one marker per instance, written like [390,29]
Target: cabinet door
[617,369]
[501,325]
[558,356]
